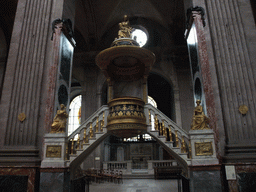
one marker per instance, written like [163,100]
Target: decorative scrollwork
[124,110]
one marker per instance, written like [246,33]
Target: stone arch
[162,92]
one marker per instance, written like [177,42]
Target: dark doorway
[253,3]
[162,92]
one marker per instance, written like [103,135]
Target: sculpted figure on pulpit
[200,121]
[125,29]
[60,120]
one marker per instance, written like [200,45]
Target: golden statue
[60,120]
[125,29]
[200,121]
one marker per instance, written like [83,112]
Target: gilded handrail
[102,111]
[168,121]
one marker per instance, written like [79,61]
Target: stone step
[139,171]
[162,138]
[139,176]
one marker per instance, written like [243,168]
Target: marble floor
[136,185]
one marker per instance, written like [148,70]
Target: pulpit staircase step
[140,171]
[139,176]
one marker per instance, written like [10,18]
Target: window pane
[152,101]
[74,114]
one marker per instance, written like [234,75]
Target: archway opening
[162,92]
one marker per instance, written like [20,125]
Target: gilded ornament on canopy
[125,60]
[125,29]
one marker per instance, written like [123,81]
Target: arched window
[140,36]
[74,119]
[152,102]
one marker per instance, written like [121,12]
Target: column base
[54,179]
[54,151]
[205,178]
[203,147]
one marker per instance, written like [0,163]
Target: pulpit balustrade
[167,128]
[163,126]
[79,139]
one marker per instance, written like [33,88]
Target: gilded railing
[96,116]
[167,128]
[161,123]
[80,137]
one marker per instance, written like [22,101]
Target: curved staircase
[93,131]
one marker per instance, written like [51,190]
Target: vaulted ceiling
[95,17]
[96,26]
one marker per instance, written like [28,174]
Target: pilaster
[202,76]
[21,100]
[234,53]
[28,96]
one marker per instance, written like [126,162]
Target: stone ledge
[53,170]
[216,167]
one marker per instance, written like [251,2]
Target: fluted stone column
[28,95]
[22,89]
[232,35]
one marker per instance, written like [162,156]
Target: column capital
[110,81]
[64,25]
[195,13]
